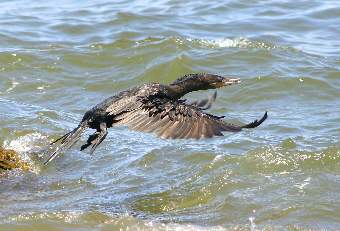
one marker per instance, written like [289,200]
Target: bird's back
[127,99]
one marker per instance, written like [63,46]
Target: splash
[25,143]
[24,146]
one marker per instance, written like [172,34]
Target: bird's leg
[101,136]
[89,141]
[96,138]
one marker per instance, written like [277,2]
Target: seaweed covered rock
[9,159]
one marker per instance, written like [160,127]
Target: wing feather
[174,119]
[143,118]
[184,124]
[161,122]
[162,132]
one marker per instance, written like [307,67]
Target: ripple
[95,220]
[283,159]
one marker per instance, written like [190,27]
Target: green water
[58,59]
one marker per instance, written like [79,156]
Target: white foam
[240,42]
[225,42]
[180,227]
[252,223]
[301,186]
[25,143]
[217,158]
[14,84]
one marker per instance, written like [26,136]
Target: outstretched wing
[174,119]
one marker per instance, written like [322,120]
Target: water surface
[59,59]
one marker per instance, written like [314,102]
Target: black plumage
[156,108]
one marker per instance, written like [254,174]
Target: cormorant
[155,108]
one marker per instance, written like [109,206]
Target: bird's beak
[231,81]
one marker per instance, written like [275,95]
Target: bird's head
[196,82]
[216,81]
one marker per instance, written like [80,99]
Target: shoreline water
[59,60]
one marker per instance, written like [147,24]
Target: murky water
[58,59]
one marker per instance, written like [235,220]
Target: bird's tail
[256,123]
[66,141]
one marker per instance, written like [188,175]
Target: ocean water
[58,59]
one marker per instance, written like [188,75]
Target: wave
[238,42]
[95,220]
[279,159]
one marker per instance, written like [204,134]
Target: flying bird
[156,108]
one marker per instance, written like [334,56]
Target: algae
[9,159]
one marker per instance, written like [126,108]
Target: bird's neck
[177,91]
